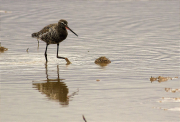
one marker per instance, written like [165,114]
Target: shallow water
[141,38]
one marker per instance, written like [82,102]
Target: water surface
[141,38]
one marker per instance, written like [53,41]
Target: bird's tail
[35,35]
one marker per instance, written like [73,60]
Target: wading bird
[54,34]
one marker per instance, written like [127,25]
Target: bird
[54,34]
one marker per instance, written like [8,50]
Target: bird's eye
[63,23]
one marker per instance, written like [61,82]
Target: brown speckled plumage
[54,34]
[44,30]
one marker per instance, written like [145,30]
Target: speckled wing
[50,36]
[43,31]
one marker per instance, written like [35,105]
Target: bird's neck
[60,29]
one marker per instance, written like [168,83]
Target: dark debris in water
[161,79]
[172,90]
[2,49]
[102,61]
[3,11]
[84,118]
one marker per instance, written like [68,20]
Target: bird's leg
[38,44]
[67,60]
[45,54]
[57,52]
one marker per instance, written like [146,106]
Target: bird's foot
[67,60]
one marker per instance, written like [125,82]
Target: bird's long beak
[71,30]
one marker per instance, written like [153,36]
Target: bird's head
[63,23]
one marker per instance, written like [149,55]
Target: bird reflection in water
[55,89]
[38,45]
